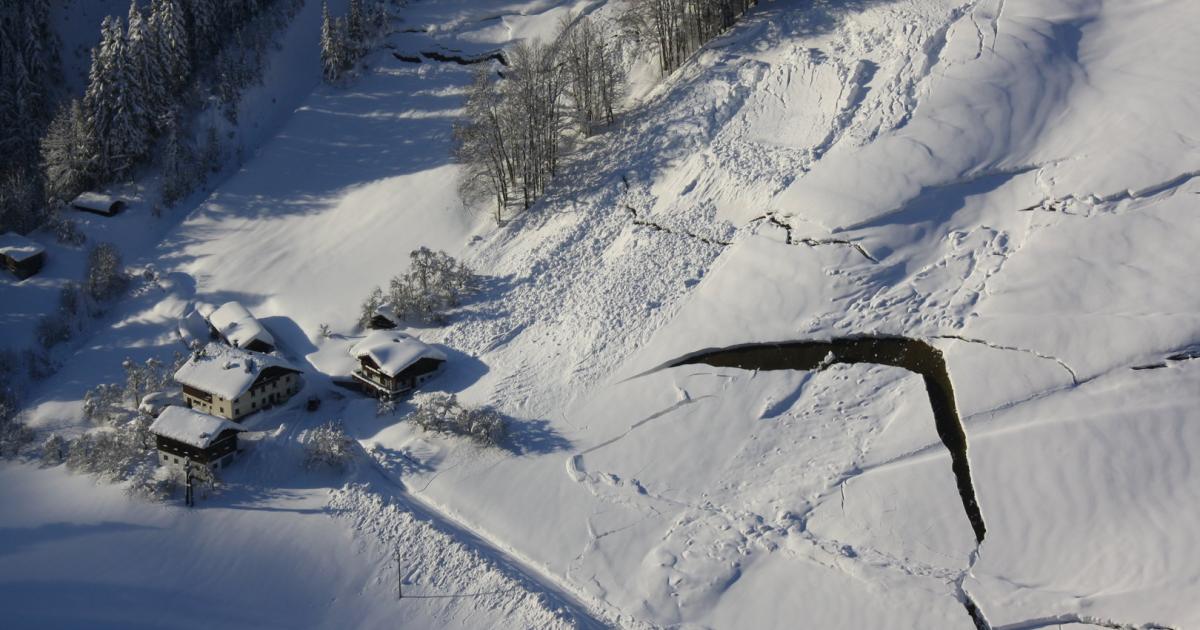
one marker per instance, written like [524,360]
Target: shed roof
[96,201]
[191,427]
[19,248]
[393,351]
[238,326]
[225,371]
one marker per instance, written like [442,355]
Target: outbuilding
[97,203]
[22,256]
[384,318]
[240,329]
[232,383]
[182,435]
[393,362]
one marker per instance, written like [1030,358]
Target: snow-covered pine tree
[210,157]
[155,71]
[347,53]
[142,70]
[380,19]
[178,170]
[128,136]
[98,99]
[67,152]
[205,26]
[330,48]
[356,30]
[171,36]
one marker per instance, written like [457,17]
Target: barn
[182,435]
[392,362]
[240,329]
[22,256]
[96,203]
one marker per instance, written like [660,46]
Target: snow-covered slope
[1012,180]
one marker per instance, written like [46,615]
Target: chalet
[20,255]
[182,436]
[231,383]
[240,329]
[97,203]
[392,362]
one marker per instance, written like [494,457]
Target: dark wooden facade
[407,379]
[381,322]
[105,210]
[24,268]
[225,444]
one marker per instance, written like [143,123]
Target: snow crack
[771,218]
[1060,362]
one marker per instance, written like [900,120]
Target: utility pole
[187,489]
[399,576]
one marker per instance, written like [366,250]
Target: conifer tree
[98,100]
[356,29]
[67,152]
[127,136]
[330,48]
[172,38]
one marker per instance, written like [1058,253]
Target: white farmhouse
[232,383]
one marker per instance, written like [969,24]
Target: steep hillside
[1011,181]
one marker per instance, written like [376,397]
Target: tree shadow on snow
[17,539]
[533,437]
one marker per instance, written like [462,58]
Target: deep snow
[1012,180]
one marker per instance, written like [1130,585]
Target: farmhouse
[182,435]
[20,255]
[232,383]
[97,203]
[240,329]
[392,362]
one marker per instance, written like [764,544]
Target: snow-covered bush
[327,446]
[13,434]
[52,329]
[103,404]
[434,283]
[104,277]
[13,437]
[54,450]
[148,481]
[370,307]
[113,454]
[65,229]
[442,413]
[114,403]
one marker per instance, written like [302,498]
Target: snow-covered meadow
[1014,181]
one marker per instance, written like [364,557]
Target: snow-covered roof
[238,326]
[96,201]
[191,427]
[393,351]
[18,247]
[225,371]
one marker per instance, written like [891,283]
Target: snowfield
[1014,181]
